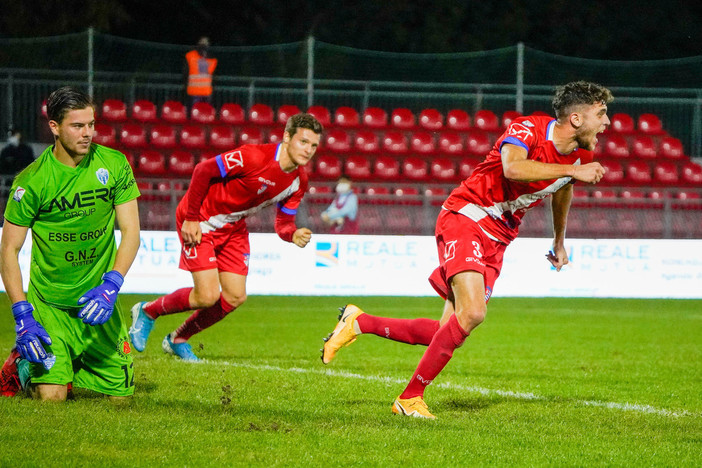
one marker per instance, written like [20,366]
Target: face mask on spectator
[343,187]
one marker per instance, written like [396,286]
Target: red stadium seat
[338,140]
[162,136]
[688,195]
[604,194]
[193,137]
[580,193]
[386,167]
[435,192]
[44,111]
[442,169]
[431,119]
[114,110]
[632,194]
[328,166]
[223,137]
[451,143]
[358,167]
[650,124]
[509,116]
[181,163]
[346,117]
[144,111]
[105,134]
[366,141]
[285,112]
[174,112]
[261,114]
[151,163]
[644,147]
[638,172]
[203,112]
[691,173]
[486,120]
[422,143]
[466,167]
[209,154]
[478,143]
[322,114]
[232,114]
[616,146]
[671,148]
[375,117]
[132,135]
[378,190]
[539,113]
[457,120]
[275,135]
[251,136]
[621,123]
[394,142]
[614,172]
[415,168]
[402,118]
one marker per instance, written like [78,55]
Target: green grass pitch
[542,382]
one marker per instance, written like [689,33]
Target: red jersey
[498,204]
[240,182]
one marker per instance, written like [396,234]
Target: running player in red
[211,224]
[534,158]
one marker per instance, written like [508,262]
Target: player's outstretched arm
[516,166]
[560,206]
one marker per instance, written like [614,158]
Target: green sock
[23,372]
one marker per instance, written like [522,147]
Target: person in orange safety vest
[199,68]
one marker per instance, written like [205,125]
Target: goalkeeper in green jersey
[69,328]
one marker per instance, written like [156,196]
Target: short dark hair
[303,120]
[66,99]
[577,93]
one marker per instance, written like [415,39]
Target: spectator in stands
[211,221]
[535,157]
[342,214]
[199,68]
[16,155]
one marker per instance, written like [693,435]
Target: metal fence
[392,214]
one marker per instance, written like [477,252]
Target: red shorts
[464,246]
[226,249]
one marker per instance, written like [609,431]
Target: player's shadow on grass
[469,404]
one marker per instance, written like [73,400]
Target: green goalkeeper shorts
[98,358]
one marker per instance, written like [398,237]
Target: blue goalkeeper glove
[101,299]
[30,334]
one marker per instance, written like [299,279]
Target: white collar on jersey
[277,152]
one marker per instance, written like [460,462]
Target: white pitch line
[451,386]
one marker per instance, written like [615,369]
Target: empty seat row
[639,172]
[647,123]
[474,141]
[360,167]
[189,136]
[639,146]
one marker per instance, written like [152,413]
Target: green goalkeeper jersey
[72,217]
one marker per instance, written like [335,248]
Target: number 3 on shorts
[477,251]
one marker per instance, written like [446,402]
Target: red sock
[412,331]
[449,337]
[201,319]
[177,301]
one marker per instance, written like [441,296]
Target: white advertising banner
[339,265]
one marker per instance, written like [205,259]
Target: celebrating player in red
[534,158]
[211,222]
